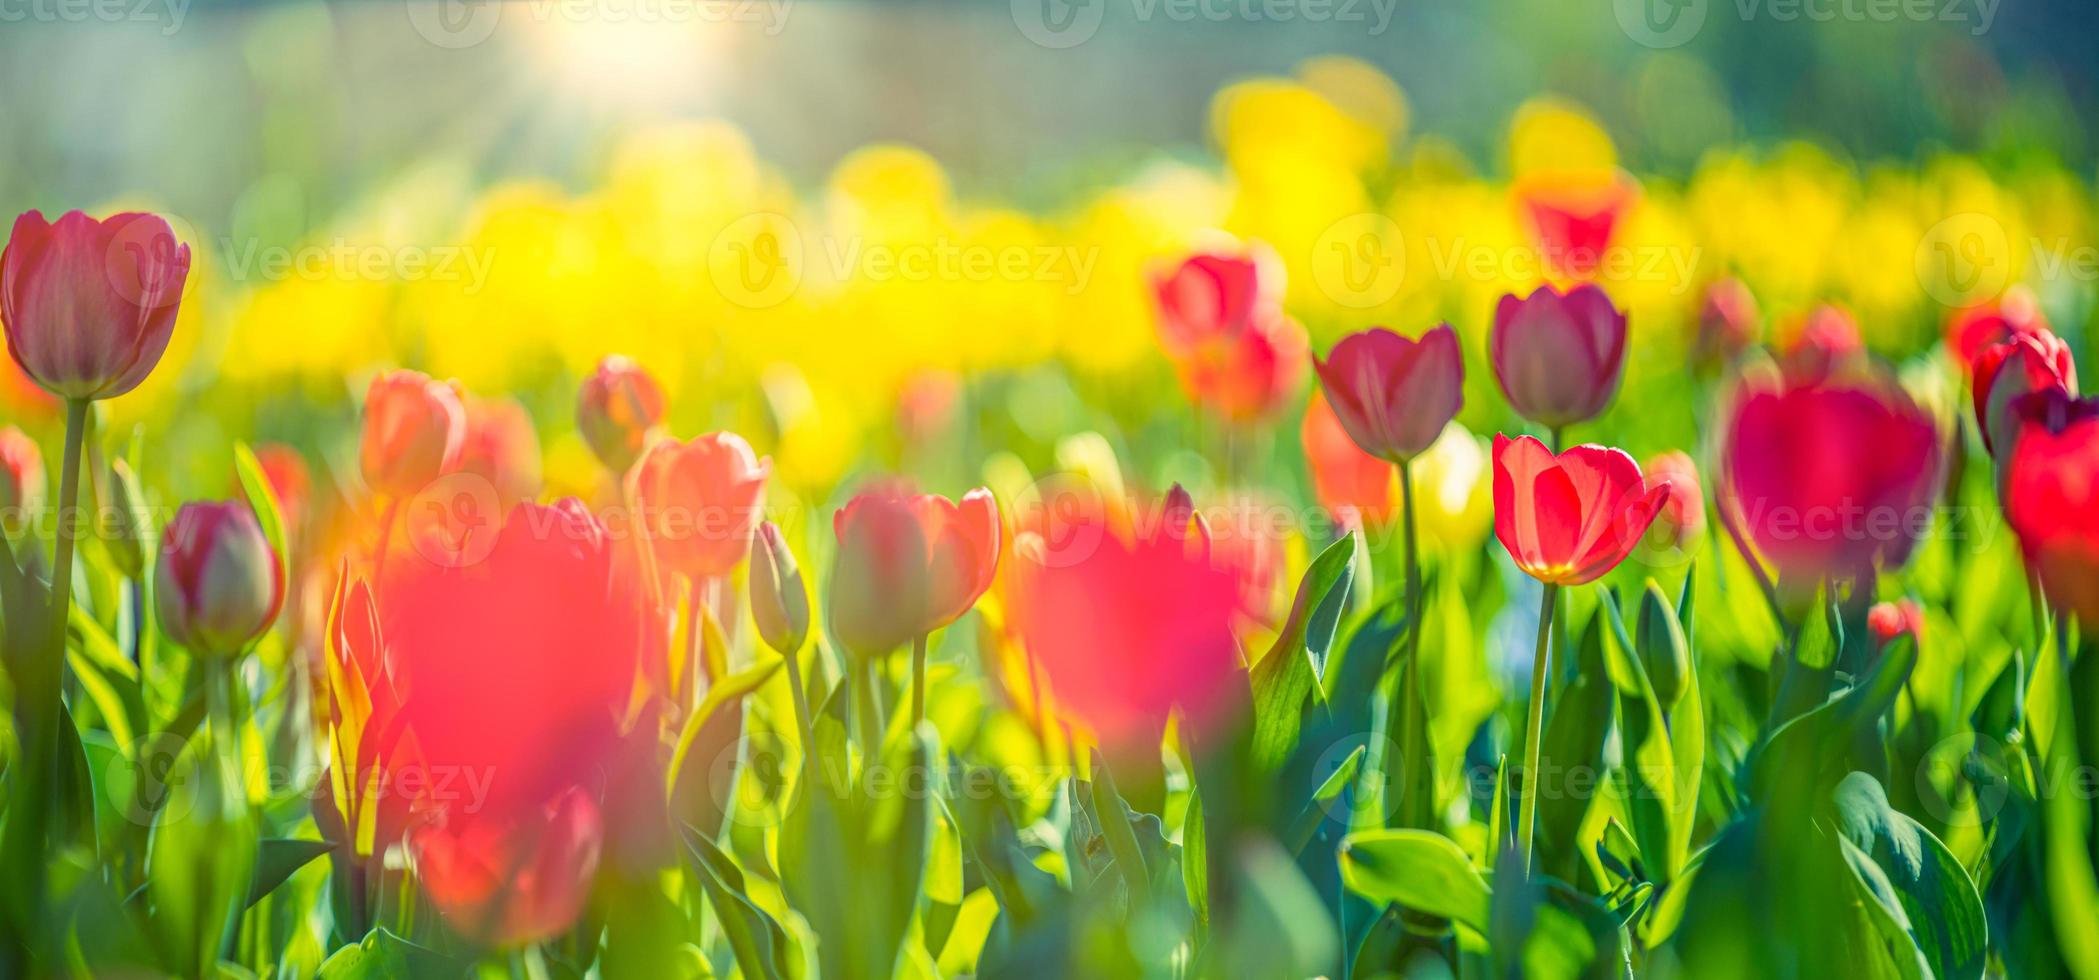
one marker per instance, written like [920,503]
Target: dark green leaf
[760,944]
[1944,911]
[277,859]
[1293,666]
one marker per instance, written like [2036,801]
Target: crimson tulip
[414,430]
[89,305]
[218,584]
[1130,628]
[1728,322]
[908,564]
[1682,518]
[700,500]
[1212,295]
[2051,497]
[1830,479]
[1573,226]
[2008,371]
[500,446]
[1222,325]
[1977,328]
[1558,355]
[1568,518]
[1351,484]
[21,477]
[618,408]
[1824,344]
[1393,394]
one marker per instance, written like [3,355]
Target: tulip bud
[218,585]
[1558,356]
[2007,372]
[1888,620]
[617,408]
[414,429]
[1663,650]
[1727,322]
[1683,514]
[779,600]
[123,519]
[21,478]
[1824,345]
[90,305]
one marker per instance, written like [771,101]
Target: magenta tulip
[1558,356]
[1394,395]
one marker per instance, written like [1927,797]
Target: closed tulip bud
[21,478]
[414,429]
[1728,322]
[779,600]
[89,305]
[1977,328]
[1664,652]
[123,519]
[701,499]
[1558,356]
[1824,345]
[2008,371]
[617,409]
[218,584]
[1394,395]
[1888,620]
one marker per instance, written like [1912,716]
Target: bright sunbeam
[627,60]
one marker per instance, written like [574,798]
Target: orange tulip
[700,500]
[1354,486]
[617,409]
[502,448]
[909,564]
[414,429]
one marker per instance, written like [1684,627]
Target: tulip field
[1324,551]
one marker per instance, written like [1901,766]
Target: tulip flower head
[1211,296]
[2051,497]
[1129,629]
[89,305]
[1222,324]
[779,599]
[501,447]
[1394,395]
[218,583]
[618,408]
[1728,322]
[1573,225]
[700,500]
[1682,519]
[1568,518]
[1825,343]
[908,564]
[2008,371]
[1977,328]
[21,478]
[1888,620]
[1830,479]
[505,883]
[414,431]
[1558,355]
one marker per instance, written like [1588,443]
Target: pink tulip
[1558,356]
[502,448]
[1394,395]
[908,564]
[89,305]
[219,584]
[701,499]
[2008,371]
[414,429]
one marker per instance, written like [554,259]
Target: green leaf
[1419,869]
[1878,905]
[201,854]
[702,776]
[1280,928]
[1316,809]
[1112,812]
[1195,857]
[1667,762]
[384,956]
[279,858]
[269,512]
[1943,908]
[1292,668]
[760,945]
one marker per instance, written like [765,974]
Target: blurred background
[505,192]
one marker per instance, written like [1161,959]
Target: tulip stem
[1534,728]
[791,659]
[865,706]
[918,679]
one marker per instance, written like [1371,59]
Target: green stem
[792,661]
[1534,728]
[1556,432]
[918,679]
[864,706]
[1412,558]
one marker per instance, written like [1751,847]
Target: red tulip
[21,478]
[1394,395]
[1888,620]
[1558,356]
[909,564]
[219,585]
[503,884]
[2051,498]
[502,448]
[1728,322]
[1211,296]
[700,500]
[2008,371]
[617,409]
[1573,226]
[1354,486]
[1568,519]
[1222,324]
[414,429]
[1971,331]
[1831,479]
[1682,519]
[90,304]
[1825,343]
[1127,630]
